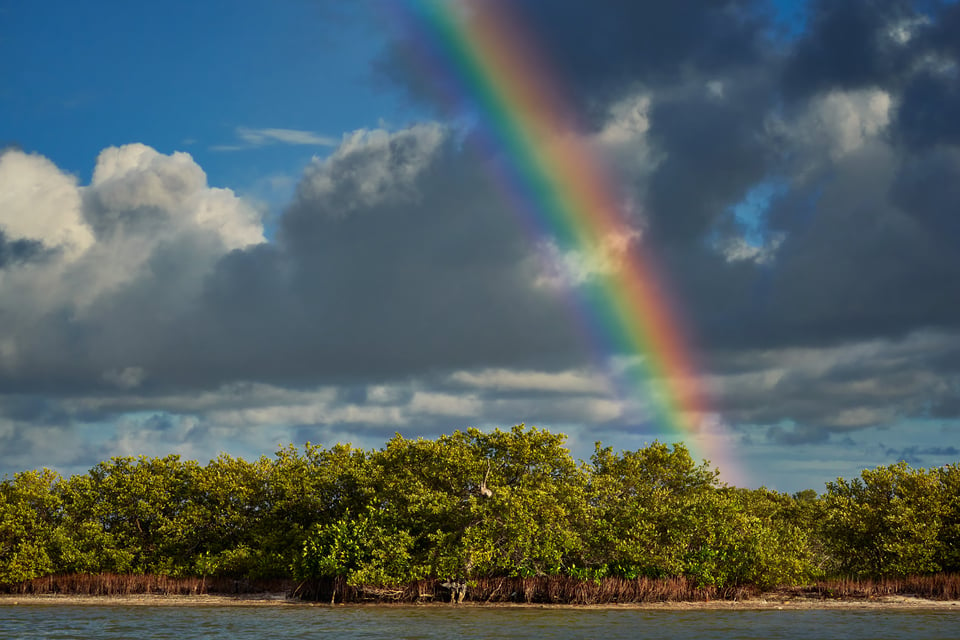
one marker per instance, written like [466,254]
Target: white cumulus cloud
[40,202]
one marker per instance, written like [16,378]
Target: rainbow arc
[484,62]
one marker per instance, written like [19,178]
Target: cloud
[599,54]
[127,378]
[394,259]
[402,291]
[807,394]
[739,249]
[850,45]
[839,122]
[563,269]
[136,190]
[40,203]
[531,381]
[121,259]
[254,138]
[251,418]
[917,455]
[371,167]
[445,404]
[18,251]
[286,136]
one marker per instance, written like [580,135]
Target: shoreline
[770,602]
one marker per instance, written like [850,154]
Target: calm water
[72,623]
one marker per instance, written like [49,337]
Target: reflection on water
[187,623]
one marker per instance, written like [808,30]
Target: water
[242,623]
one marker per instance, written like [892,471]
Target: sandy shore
[150,600]
[280,600]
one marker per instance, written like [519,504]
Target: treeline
[471,508]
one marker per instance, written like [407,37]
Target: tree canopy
[471,505]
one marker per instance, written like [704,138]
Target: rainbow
[484,62]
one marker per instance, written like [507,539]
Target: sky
[230,226]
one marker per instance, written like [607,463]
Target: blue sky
[191,76]
[227,226]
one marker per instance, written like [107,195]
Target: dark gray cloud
[822,392]
[600,52]
[35,408]
[925,117]
[823,115]
[926,187]
[859,266]
[920,456]
[13,252]
[396,257]
[941,36]
[850,45]
[947,407]
[713,153]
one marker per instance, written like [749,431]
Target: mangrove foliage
[472,506]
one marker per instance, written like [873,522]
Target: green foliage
[759,540]
[948,540]
[528,525]
[472,505]
[361,549]
[885,523]
[133,515]
[228,506]
[646,508]
[30,512]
